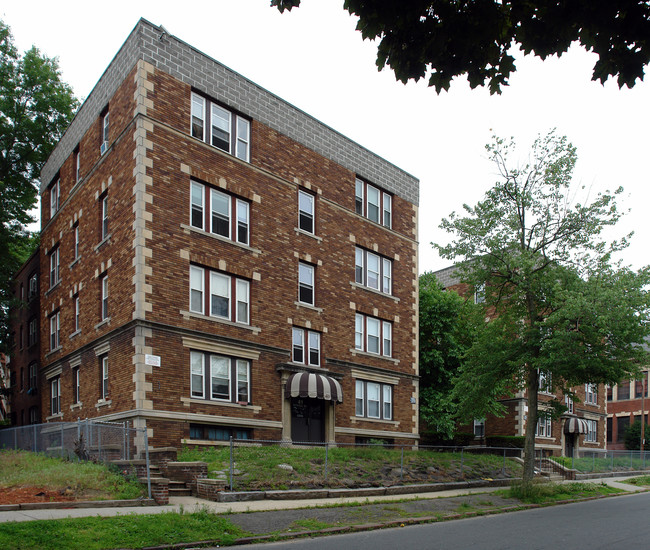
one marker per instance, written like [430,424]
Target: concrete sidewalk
[190,504]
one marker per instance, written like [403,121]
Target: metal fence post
[146,451]
[35,444]
[612,461]
[326,458]
[15,439]
[128,441]
[232,461]
[99,441]
[461,461]
[401,467]
[61,439]
[503,470]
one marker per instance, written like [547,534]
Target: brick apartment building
[580,429]
[219,263]
[625,403]
[23,367]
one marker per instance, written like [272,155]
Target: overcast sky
[314,59]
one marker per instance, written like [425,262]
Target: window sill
[355,419]
[106,239]
[106,321]
[355,351]
[103,403]
[309,306]
[307,234]
[74,262]
[53,287]
[75,333]
[196,400]
[192,314]
[52,352]
[354,284]
[54,416]
[75,406]
[189,228]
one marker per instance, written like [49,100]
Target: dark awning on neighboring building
[318,386]
[575,425]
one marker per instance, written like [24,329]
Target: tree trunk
[531,424]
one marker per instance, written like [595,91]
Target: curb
[77,504]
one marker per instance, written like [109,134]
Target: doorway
[570,440]
[307,420]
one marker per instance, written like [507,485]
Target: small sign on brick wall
[153,360]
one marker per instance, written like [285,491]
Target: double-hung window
[76,241]
[373,271]
[104,133]
[55,396]
[55,192]
[306,283]
[104,304]
[219,377]
[592,431]
[33,375]
[222,289]
[568,403]
[373,400]
[227,131]
[305,347]
[373,203]
[77,165]
[306,212]
[104,216]
[54,331]
[54,267]
[33,332]
[227,216]
[591,394]
[479,427]
[103,361]
[373,335]
[33,285]
[76,386]
[543,428]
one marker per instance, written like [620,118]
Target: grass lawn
[543,493]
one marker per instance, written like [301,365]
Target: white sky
[314,59]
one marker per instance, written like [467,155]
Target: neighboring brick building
[204,241]
[625,401]
[581,428]
[25,398]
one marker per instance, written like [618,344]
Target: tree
[632,436]
[446,328]
[558,303]
[35,109]
[448,38]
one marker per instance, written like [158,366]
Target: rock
[286,467]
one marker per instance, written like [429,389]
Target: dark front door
[570,443]
[307,420]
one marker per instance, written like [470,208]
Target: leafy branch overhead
[446,38]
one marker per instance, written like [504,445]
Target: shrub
[510,441]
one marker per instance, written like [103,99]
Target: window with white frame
[227,215]
[545,382]
[77,165]
[103,362]
[568,403]
[77,313]
[54,267]
[306,211]
[373,400]
[373,271]
[219,377]
[591,394]
[543,428]
[220,127]
[592,431]
[479,427]
[75,230]
[306,283]
[33,375]
[373,203]
[218,301]
[104,304]
[33,285]
[54,331]
[103,201]
[55,196]
[373,335]
[305,347]
[104,135]
[76,386]
[32,337]
[55,396]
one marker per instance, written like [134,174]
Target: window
[104,133]
[623,390]
[306,211]
[77,165]
[218,433]
[479,294]
[55,396]
[76,394]
[306,283]
[543,428]
[33,285]
[479,427]
[33,376]
[104,304]
[219,378]
[222,288]
[372,270]
[610,393]
[545,382]
[220,219]
[77,314]
[103,362]
[54,267]
[377,206]
[54,331]
[568,402]
[622,424]
[33,415]
[592,431]
[228,131]
[641,388]
[373,335]
[33,332]
[76,241]
[104,216]
[301,338]
[55,192]
[373,400]
[591,393]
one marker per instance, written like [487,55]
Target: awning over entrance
[309,384]
[576,426]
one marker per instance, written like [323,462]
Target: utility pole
[643,390]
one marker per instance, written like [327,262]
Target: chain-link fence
[81,440]
[606,461]
[248,464]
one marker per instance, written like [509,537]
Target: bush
[510,441]
[632,437]
[463,439]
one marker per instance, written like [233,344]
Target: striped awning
[576,425]
[318,386]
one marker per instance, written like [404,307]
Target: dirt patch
[24,495]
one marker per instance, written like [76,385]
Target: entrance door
[570,444]
[307,420]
